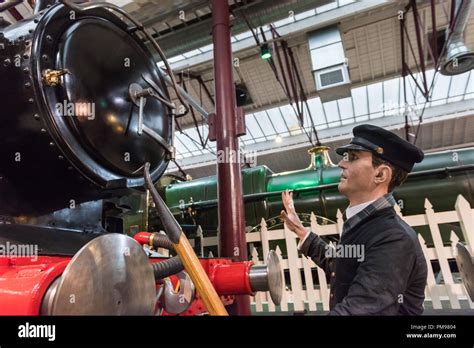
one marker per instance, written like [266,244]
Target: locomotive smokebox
[72,116]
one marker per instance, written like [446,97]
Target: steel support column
[231,209]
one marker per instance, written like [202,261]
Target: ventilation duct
[458,58]
[329,64]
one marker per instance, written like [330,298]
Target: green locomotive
[440,177]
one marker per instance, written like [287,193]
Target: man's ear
[383,174]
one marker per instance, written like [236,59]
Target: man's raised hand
[290,217]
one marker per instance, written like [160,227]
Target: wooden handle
[199,277]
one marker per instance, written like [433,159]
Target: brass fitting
[52,78]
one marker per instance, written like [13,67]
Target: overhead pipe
[284,47]
[9,4]
[416,17]
[201,139]
[404,76]
[276,49]
[434,42]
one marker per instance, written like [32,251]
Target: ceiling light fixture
[265,52]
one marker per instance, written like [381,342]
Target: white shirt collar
[353,210]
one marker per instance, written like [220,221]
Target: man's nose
[342,164]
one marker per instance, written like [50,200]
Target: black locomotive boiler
[86,123]
[83,107]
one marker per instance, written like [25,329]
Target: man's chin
[342,187]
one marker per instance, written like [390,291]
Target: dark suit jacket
[389,279]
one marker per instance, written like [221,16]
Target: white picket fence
[438,293]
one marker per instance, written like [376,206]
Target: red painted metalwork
[228,277]
[142,237]
[24,281]
[231,212]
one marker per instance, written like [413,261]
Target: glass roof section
[277,24]
[381,99]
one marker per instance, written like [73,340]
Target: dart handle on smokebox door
[186,253]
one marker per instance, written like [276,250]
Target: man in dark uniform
[388,275]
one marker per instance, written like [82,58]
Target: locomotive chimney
[320,157]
